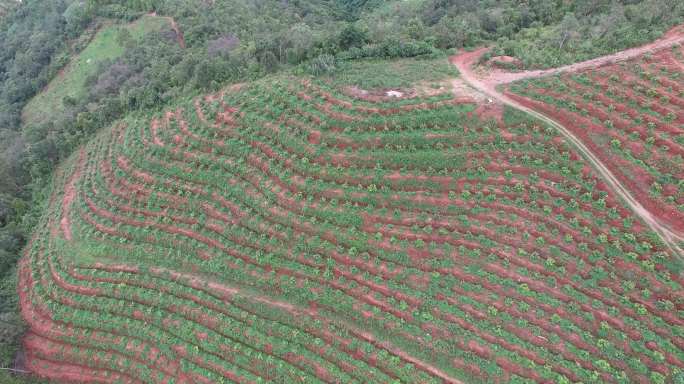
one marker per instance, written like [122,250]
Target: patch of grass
[376,73]
[70,83]
[9,378]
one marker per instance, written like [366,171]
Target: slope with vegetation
[72,85]
[630,114]
[284,231]
[43,42]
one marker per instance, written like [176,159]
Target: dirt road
[487,83]
[497,76]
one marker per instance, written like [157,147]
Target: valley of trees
[241,40]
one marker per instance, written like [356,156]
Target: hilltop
[286,230]
[342,191]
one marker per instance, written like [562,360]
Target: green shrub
[322,64]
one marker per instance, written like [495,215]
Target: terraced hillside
[283,231]
[631,114]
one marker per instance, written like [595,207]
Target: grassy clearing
[370,74]
[71,81]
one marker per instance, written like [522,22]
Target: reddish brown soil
[70,194]
[362,280]
[668,227]
[638,183]
[495,77]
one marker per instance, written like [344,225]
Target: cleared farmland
[631,115]
[283,231]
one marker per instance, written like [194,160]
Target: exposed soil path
[496,77]
[487,83]
[179,34]
[69,195]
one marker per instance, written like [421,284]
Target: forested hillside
[6,6]
[58,88]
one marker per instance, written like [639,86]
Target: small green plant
[322,64]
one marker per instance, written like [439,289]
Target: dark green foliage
[127,5]
[351,9]
[33,43]
[30,39]
[322,64]
[269,61]
[589,29]
[391,48]
[540,33]
[351,36]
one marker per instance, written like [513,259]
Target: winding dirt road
[497,76]
[487,83]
